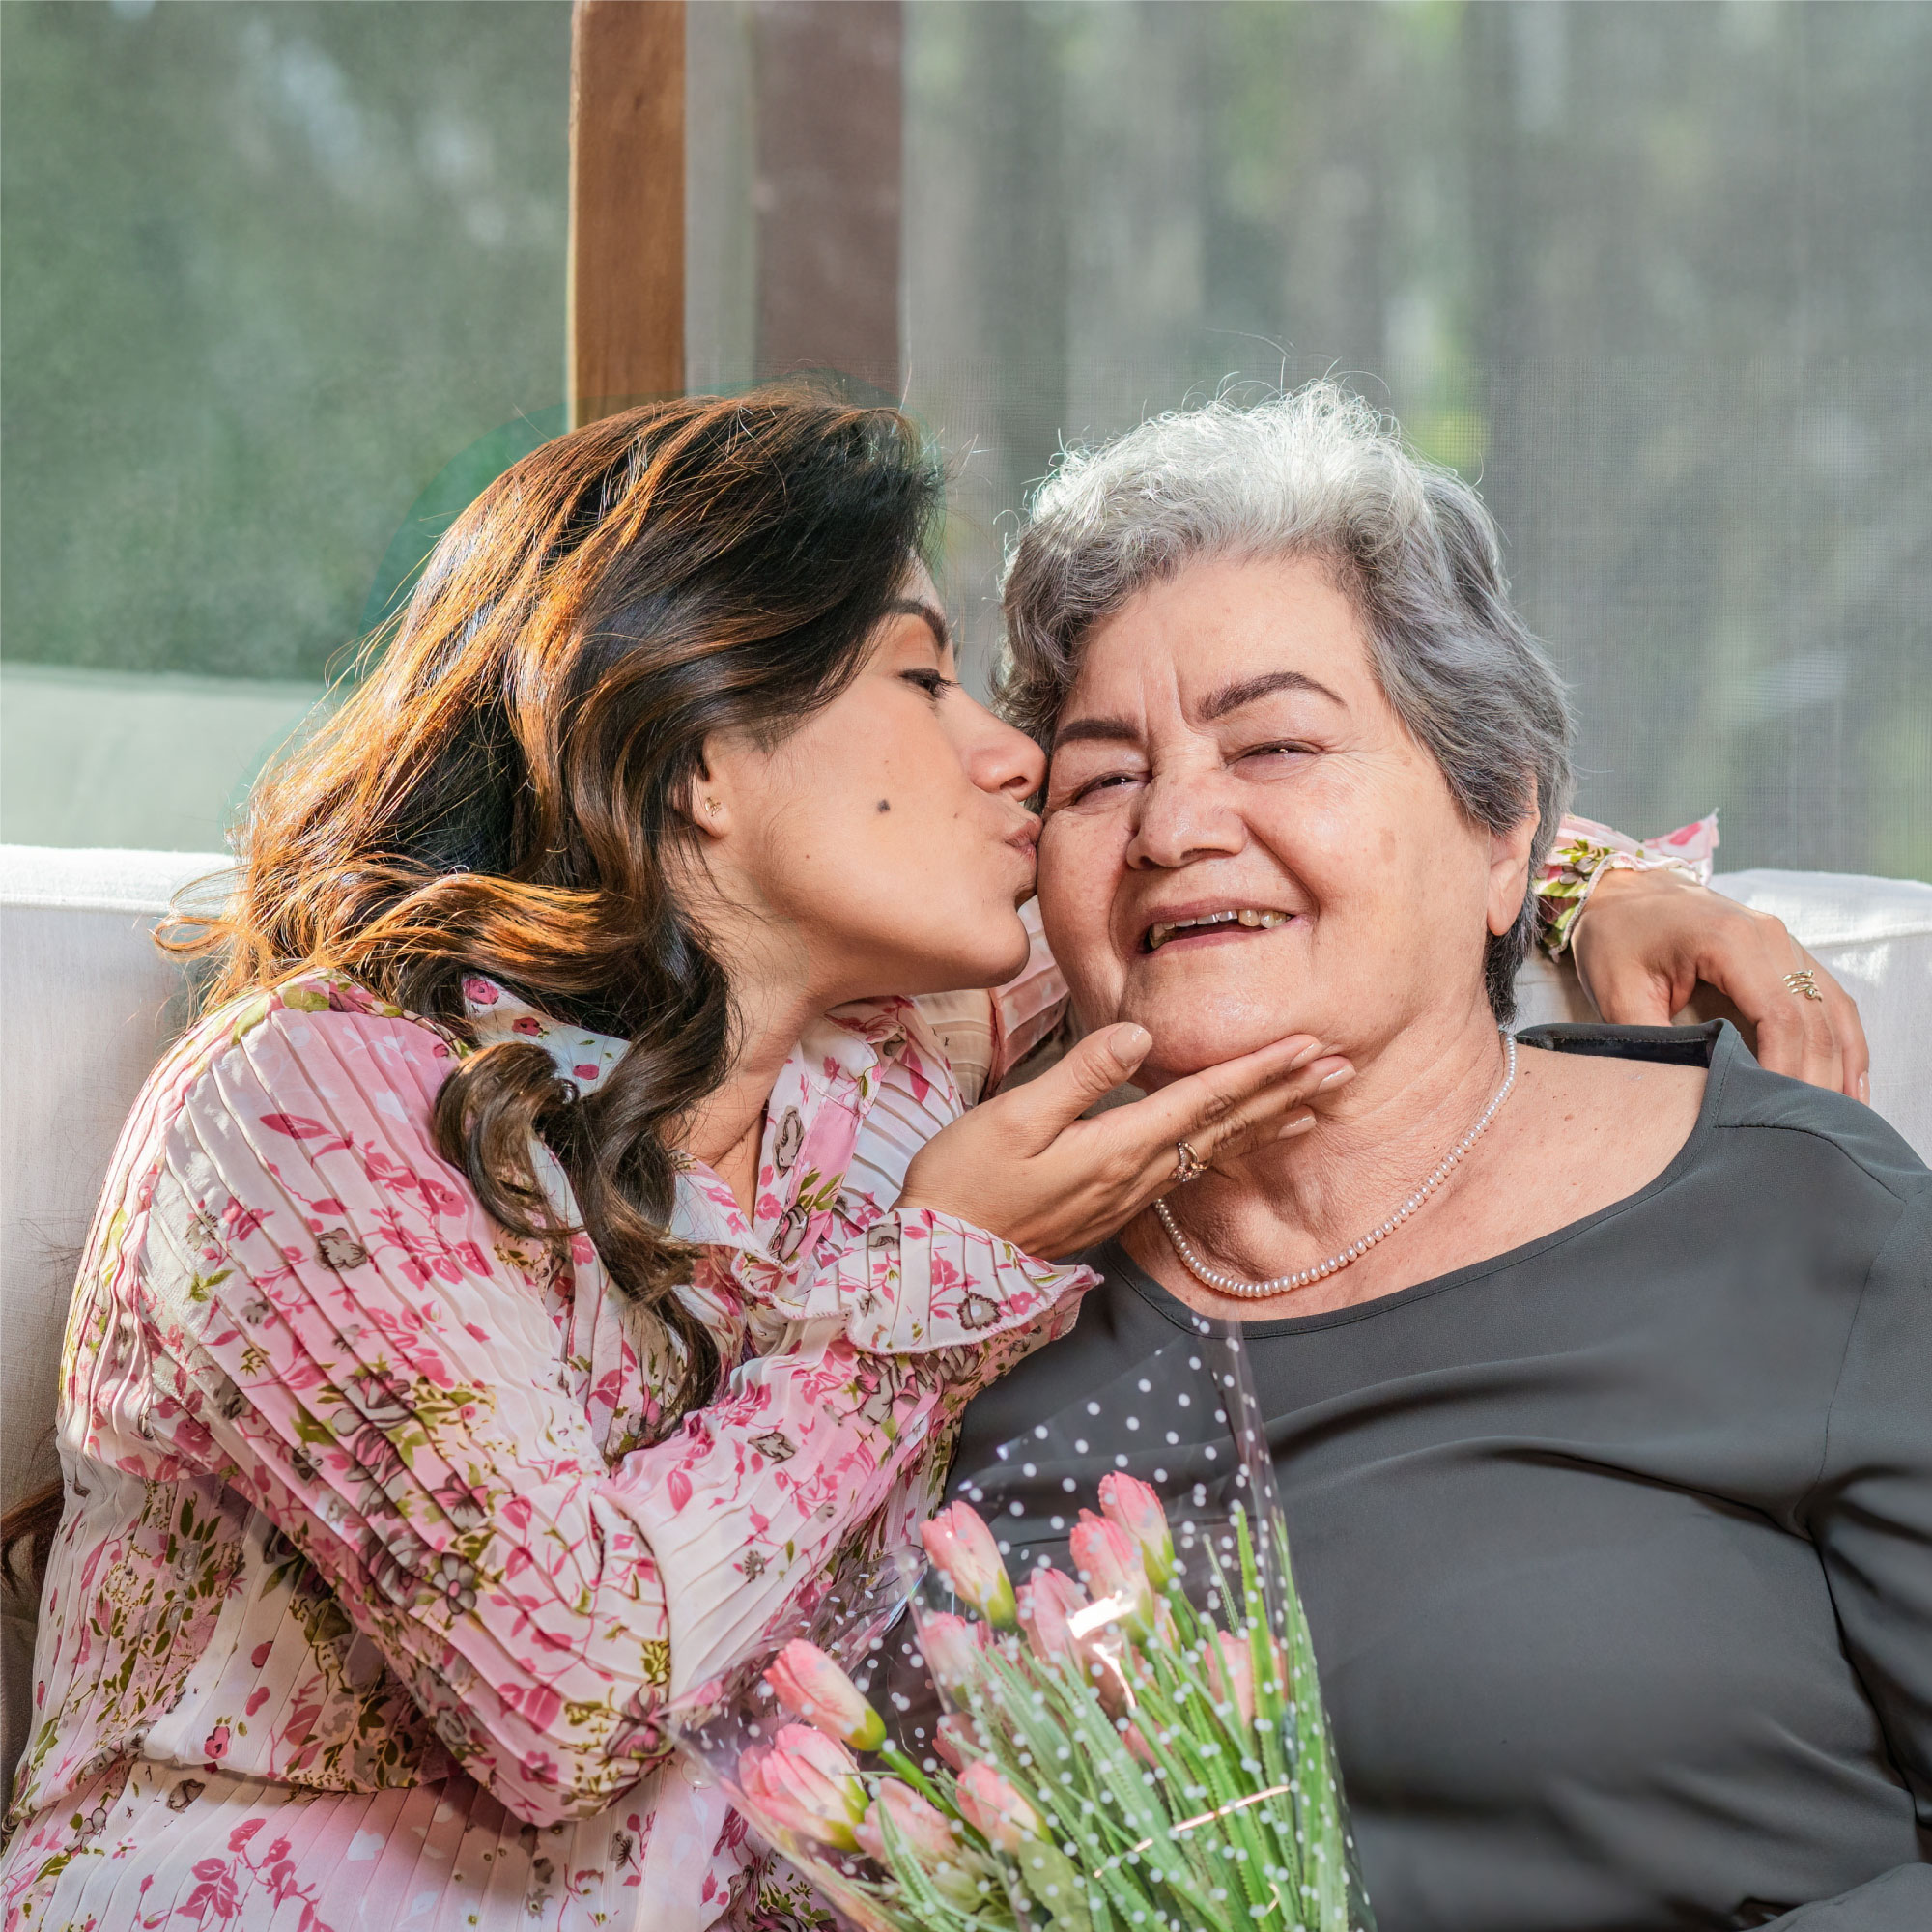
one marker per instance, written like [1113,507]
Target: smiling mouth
[1252,918]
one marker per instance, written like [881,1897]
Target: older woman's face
[1227,756]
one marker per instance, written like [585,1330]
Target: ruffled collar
[819,1102]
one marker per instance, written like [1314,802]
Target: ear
[1509,867]
[706,803]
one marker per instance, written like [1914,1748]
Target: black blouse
[1617,1548]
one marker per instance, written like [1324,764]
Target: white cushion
[1874,936]
[90,1002]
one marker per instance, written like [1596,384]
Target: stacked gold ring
[1803,985]
[1188,1165]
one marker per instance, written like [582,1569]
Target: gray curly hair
[1316,473]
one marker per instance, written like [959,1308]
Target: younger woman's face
[888,837]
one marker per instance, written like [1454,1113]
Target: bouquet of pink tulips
[1131,1741]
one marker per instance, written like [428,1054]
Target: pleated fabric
[378,1563]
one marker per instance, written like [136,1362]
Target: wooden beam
[626,276]
[829,190]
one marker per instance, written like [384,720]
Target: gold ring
[1188,1165]
[1803,985]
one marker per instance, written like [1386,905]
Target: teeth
[1247,916]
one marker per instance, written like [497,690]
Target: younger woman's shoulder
[261,1090]
[313,1019]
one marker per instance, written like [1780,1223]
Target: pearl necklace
[1252,1291]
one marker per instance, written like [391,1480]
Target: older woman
[1596,1360]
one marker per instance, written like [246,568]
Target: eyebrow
[1230,697]
[935,617]
[1112,730]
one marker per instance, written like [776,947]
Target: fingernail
[1132,1042]
[1864,1088]
[1314,1050]
[1335,1079]
[1296,1126]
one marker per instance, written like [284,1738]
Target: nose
[1183,815]
[1001,760]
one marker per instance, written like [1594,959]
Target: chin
[999,968]
[999,951]
[1186,1039]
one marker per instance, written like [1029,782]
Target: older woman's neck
[1296,1203]
[1412,1098]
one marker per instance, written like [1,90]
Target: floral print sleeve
[1586,851]
[328,1330]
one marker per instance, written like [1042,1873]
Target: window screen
[268,270]
[1656,278]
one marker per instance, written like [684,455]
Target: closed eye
[1292,748]
[1106,782]
[930,682]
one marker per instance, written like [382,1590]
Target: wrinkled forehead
[1220,634]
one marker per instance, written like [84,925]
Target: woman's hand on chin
[1646,938]
[1025,1166]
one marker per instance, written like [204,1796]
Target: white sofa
[88,1003]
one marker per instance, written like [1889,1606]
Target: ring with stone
[1188,1165]
[1803,985]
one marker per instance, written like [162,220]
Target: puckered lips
[1220,920]
[1024,840]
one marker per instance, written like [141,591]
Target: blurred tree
[268,270]
[1654,277]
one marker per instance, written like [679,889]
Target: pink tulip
[995,1809]
[961,1875]
[805,1782]
[953,1647]
[926,1830]
[1230,1675]
[1109,1561]
[1129,1502]
[963,1552]
[1047,1602]
[957,1739]
[811,1687]
[1060,1623]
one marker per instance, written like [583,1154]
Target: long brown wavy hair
[505,792]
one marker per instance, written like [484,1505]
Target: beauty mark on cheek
[885,804]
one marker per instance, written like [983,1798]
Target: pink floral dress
[378,1563]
